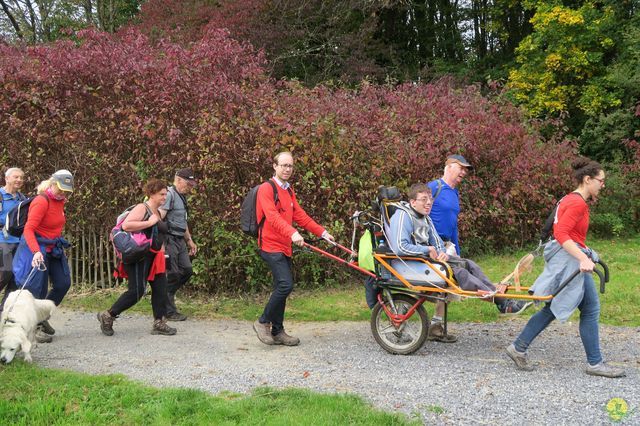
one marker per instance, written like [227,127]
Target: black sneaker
[176,316]
[513,307]
[46,327]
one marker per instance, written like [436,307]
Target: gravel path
[469,382]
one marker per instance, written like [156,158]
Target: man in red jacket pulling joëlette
[274,240]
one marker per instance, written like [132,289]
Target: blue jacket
[444,212]
[8,202]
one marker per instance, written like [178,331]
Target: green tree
[562,64]
[37,21]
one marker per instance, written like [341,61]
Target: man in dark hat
[179,245]
[446,199]
[444,215]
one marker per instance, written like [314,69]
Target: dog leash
[41,267]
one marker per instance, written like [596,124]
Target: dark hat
[186,174]
[458,159]
[64,179]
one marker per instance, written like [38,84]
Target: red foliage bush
[119,109]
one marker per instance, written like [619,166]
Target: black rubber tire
[412,333]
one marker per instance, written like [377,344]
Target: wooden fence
[91,259]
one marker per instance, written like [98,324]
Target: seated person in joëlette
[412,234]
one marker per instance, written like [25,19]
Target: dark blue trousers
[282,286]
[58,273]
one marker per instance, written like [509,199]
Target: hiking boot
[513,307]
[264,332]
[160,326]
[605,370]
[436,334]
[46,327]
[520,358]
[283,338]
[176,316]
[42,337]
[106,323]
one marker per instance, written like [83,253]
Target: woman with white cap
[42,242]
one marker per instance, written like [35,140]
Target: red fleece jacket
[45,219]
[572,220]
[278,226]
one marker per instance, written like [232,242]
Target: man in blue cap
[446,199]
[444,215]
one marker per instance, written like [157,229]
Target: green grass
[31,395]
[619,303]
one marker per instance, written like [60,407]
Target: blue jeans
[589,316]
[58,273]
[280,266]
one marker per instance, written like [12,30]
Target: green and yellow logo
[618,409]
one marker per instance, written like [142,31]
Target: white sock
[436,319]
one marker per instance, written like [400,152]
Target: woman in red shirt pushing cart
[567,256]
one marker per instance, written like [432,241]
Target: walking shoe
[520,358]
[176,316]
[513,307]
[106,323]
[436,334]
[42,337]
[283,338]
[46,327]
[160,326]
[605,370]
[264,332]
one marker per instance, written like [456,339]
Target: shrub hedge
[118,109]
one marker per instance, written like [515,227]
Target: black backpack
[546,233]
[17,217]
[248,214]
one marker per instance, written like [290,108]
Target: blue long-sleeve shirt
[445,211]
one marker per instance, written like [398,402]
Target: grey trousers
[469,275]
[179,269]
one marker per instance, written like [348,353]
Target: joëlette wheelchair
[399,321]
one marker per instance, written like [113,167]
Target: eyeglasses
[286,166]
[599,180]
[424,200]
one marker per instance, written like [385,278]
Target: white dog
[20,317]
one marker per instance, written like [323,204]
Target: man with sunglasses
[275,236]
[179,245]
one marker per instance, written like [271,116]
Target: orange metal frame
[452,286]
